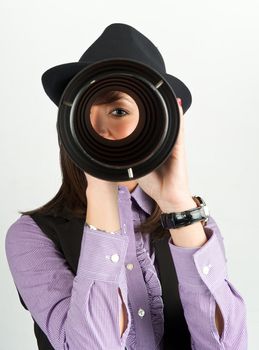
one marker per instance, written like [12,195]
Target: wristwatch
[187,217]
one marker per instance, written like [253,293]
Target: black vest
[66,233]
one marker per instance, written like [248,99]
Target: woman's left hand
[168,185]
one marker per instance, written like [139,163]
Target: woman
[84,266]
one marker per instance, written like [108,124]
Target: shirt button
[130,266]
[115,258]
[206,269]
[141,313]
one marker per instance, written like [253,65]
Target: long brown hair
[71,196]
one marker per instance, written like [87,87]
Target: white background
[211,45]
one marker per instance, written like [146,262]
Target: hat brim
[55,80]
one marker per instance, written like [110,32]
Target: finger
[181,114]
[179,100]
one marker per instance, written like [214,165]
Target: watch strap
[187,217]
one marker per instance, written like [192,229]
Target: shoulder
[24,232]
[29,251]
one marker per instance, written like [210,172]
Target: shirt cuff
[202,266]
[102,255]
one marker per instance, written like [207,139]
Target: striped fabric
[82,312]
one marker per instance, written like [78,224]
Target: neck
[130,184]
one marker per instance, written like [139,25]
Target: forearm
[102,209]
[102,213]
[191,236]
[105,294]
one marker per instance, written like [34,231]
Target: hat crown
[117,41]
[120,40]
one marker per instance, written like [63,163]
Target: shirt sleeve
[203,282]
[74,311]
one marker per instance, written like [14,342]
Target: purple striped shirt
[82,311]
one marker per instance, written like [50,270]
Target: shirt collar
[144,201]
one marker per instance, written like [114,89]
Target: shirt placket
[137,291]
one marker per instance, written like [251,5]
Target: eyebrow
[124,98]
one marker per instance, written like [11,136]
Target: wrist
[186,203]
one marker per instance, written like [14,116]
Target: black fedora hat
[118,40]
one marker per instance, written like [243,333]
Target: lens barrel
[141,152]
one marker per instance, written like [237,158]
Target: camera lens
[118,119]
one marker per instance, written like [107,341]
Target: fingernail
[179,101]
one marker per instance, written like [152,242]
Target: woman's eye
[119,114]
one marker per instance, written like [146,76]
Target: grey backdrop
[211,46]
